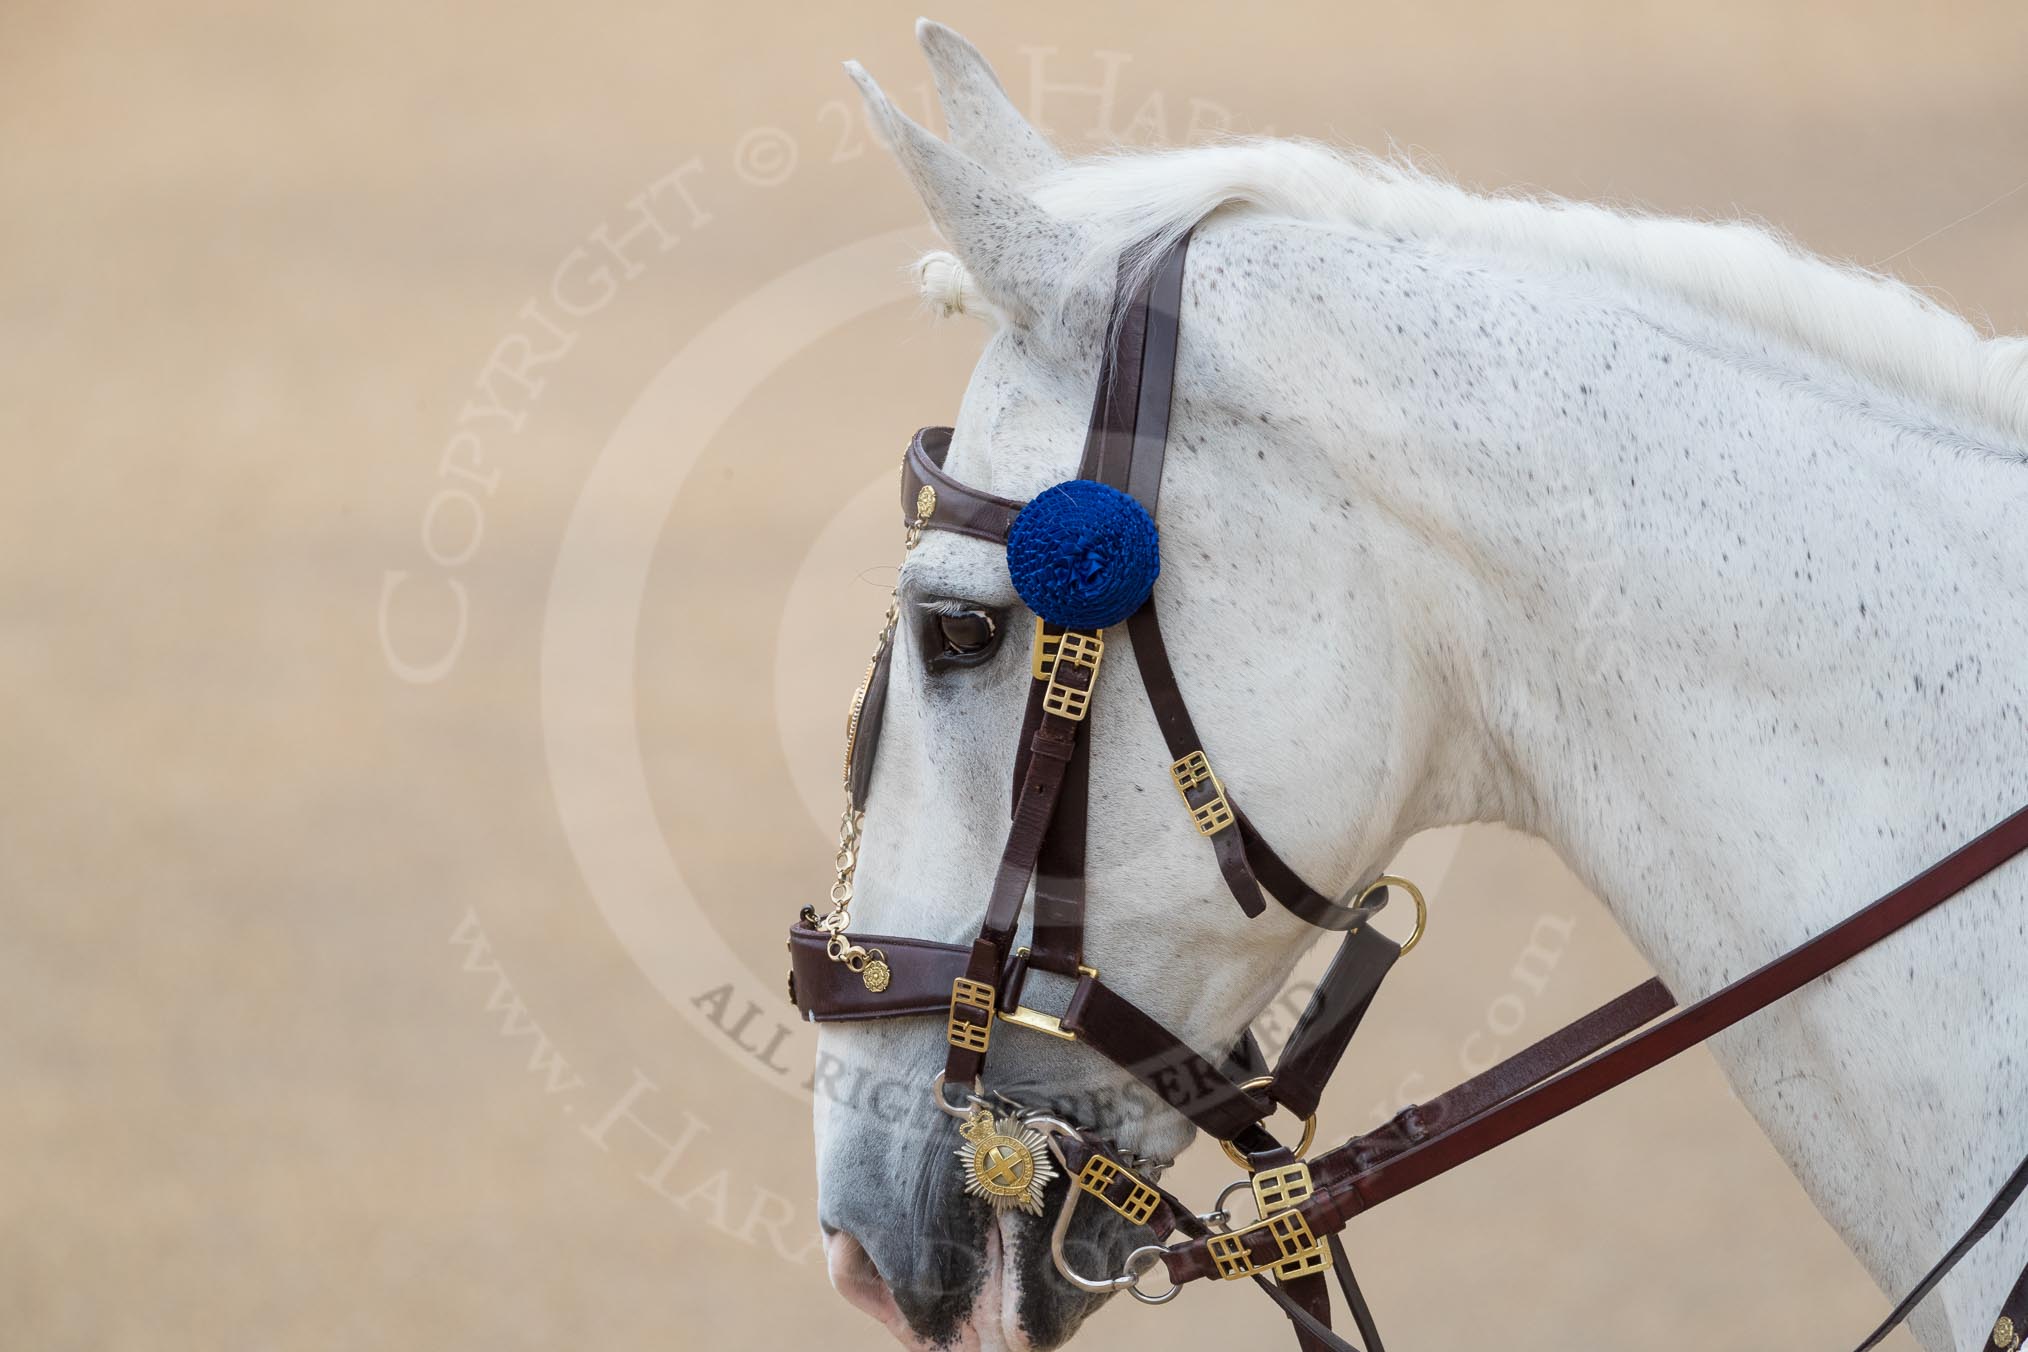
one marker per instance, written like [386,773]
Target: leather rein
[1012,1154]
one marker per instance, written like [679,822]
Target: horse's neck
[1748,653]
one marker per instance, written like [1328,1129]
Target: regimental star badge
[1005,1162]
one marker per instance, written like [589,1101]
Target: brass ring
[1414,895]
[1309,1126]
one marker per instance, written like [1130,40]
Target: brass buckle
[1215,813]
[967,1034]
[1023,1017]
[1277,1193]
[1130,1277]
[1098,1175]
[1073,649]
[1281,1188]
[1299,1252]
[1042,654]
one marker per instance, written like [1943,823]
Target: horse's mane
[1875,326]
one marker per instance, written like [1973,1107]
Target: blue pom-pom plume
[1084,555]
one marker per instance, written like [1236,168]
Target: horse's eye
[959,635]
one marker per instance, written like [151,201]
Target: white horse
[1697,556]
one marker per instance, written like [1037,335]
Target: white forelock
[1878,327]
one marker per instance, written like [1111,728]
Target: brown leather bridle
[840,976]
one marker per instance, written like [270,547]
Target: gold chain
[839,947]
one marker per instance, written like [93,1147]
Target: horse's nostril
[859,1281]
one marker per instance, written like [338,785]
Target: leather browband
[967,511]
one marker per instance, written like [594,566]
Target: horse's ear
[983,123]
[1016,253]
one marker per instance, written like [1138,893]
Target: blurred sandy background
[282,930]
